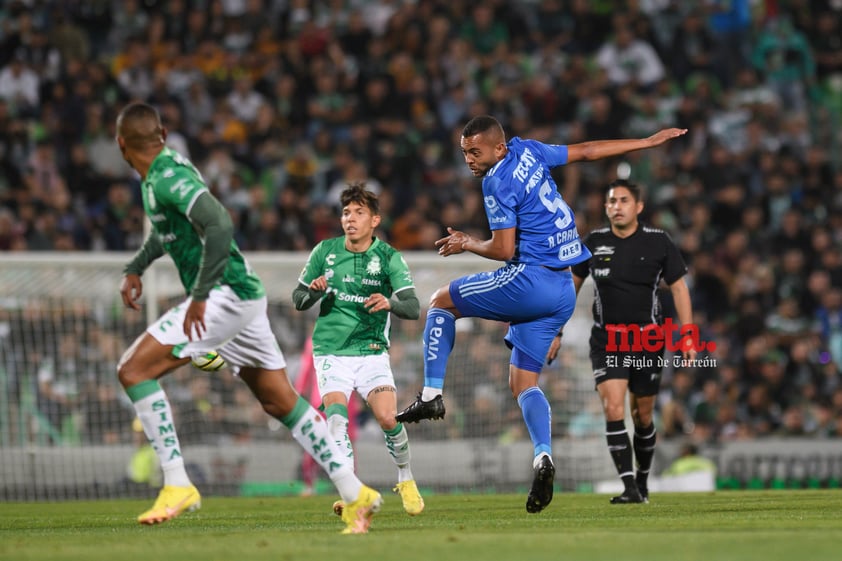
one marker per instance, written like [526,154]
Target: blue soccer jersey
[519,192]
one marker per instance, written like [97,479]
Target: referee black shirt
[626,273]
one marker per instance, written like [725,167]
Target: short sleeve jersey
[344,326]
[169,191]
[520,193]
[627,272]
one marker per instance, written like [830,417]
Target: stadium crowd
[281,103]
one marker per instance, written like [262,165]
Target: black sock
[621,451]
[644,450]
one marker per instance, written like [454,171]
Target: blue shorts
[534,300]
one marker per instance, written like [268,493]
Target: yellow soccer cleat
[413,503]
[357,515]
[171,502]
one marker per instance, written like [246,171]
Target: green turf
[739,525]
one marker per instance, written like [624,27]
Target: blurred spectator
[628,59]
[19,85]
[118,222]
[783,55]
[692,48]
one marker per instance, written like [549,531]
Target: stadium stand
[281,102]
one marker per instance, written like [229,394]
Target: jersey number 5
[555,204]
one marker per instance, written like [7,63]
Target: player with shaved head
[224,311]
[533,231]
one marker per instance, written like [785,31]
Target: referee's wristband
[559,334]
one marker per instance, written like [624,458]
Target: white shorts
[348,373]
[237,329]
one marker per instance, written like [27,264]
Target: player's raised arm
[600,149]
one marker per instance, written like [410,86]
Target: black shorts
[641,368]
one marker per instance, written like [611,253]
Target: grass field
[762,525]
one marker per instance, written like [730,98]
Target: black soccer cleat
[541,493]
[419,410]
[629,496]
[644,492]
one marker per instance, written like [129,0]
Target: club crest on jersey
[373,266]
[604,250]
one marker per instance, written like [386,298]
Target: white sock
[311,432]
[349,486]
[398,447]
[429,394]
[337,425]
[155,415]
[538,459]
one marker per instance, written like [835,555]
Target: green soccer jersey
[344,326]
[170,189]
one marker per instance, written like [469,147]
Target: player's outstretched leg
[419,410]
[309,430]
[541,493]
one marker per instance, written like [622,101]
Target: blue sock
[536,412]
[439,333]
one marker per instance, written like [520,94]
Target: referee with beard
[629,260]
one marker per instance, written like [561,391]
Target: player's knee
[128,375]
[614,411]
[388,422]
[275,409]
[641,418]
[441,298]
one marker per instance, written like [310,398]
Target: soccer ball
[209,362]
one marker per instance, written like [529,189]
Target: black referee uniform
[626,274]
